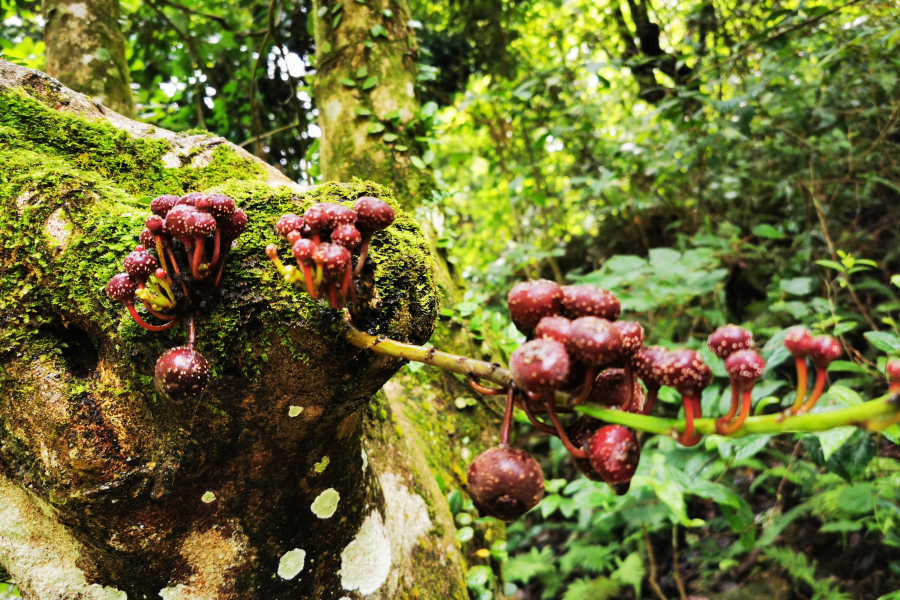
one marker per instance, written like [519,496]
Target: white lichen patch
[326,503]
[333,110]
[365,457]
[208,497]
[78,10]
[291,563]
[58,228]
[40,553]
[294,411]
[366,561]
[406,516]
[170,160]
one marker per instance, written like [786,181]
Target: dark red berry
[339,215]
[594,341]
[531,301]
[798,341]
[540,366]
[632,335]
[505,483]
[288,223]
[190,199]
[234,226]
[161,205]
[824,350]
[155,224]
[589,301]
[180,221]
[580,433]
[728,339]
[317,217]
[221,206]
[140,264]
[181,374]
[347,236]
[554,328]
[612,389]
[203,224]
[373,214]
[745,366]
[615,454]
[303,250]
[648,363]
[121,288]
[685,371]
[892,370]
[146,238]
[333,259]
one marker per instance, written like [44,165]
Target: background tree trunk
[86,50]
[106,490]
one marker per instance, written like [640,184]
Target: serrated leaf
[348,82]
[525,567]
[362,72]
[601,588]
[375,128]
[833,439]
[884,341]
[370,82]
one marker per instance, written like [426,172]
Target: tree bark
[107,491]
[371,46]
[86,50]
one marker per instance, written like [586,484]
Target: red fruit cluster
[323,242]
[199,230]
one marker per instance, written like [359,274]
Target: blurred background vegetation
[710,161]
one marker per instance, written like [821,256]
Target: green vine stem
[874,415]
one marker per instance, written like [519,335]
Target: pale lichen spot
[410,90]
[58,228]
[326,503]
[366,561]
[291,563]
[294,411]
[208,497]
[333,109]
[78,10]
[322,464]
[365,458]
[87,58]
[170,160]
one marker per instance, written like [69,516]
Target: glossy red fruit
[615,454]
[340,215]
[589,301]
[611,389]
[154,223]
[892,370]
[594,341]
[190,199]
[373,214]
[146,238]
[121,288]
[202,225]
[303,250]
[580,433]
[221,206]
[531,301]
[648,363]
[798,341]
[181,374]
[824,350]
[685,371]
[540,366]
[288,223]
[334,260]
[233,226]
[745,366]
[161,205]
[180,221]
[728,339]
[632,335]
[554,328]
[505,483]
[347,236]
[317,217]
[140,264]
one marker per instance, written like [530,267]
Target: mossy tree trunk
[86,50]
[370,117]
[291,478]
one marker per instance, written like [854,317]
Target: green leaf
[326,48]
[601,588]
[322,11]
[831,265]
[375,128]
[377,30]
[336,21]
[465,535]
[417,162]
[102,54]
[798,286]
[362,112]
[845,366]
[833,439]
[389,137]
[851,459]
[401,148]
[525,567]
[370,82]
[631,572]
[884,341]
[549,504]
[428,157]
[455,500]
[388,13]
[768,232]
[479,577]
[362,72]
[348,82]
[337,7]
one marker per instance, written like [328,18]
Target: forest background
[710,162]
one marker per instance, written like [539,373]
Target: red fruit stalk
[685,371]
[744,367]
[798,341]
[823,351]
